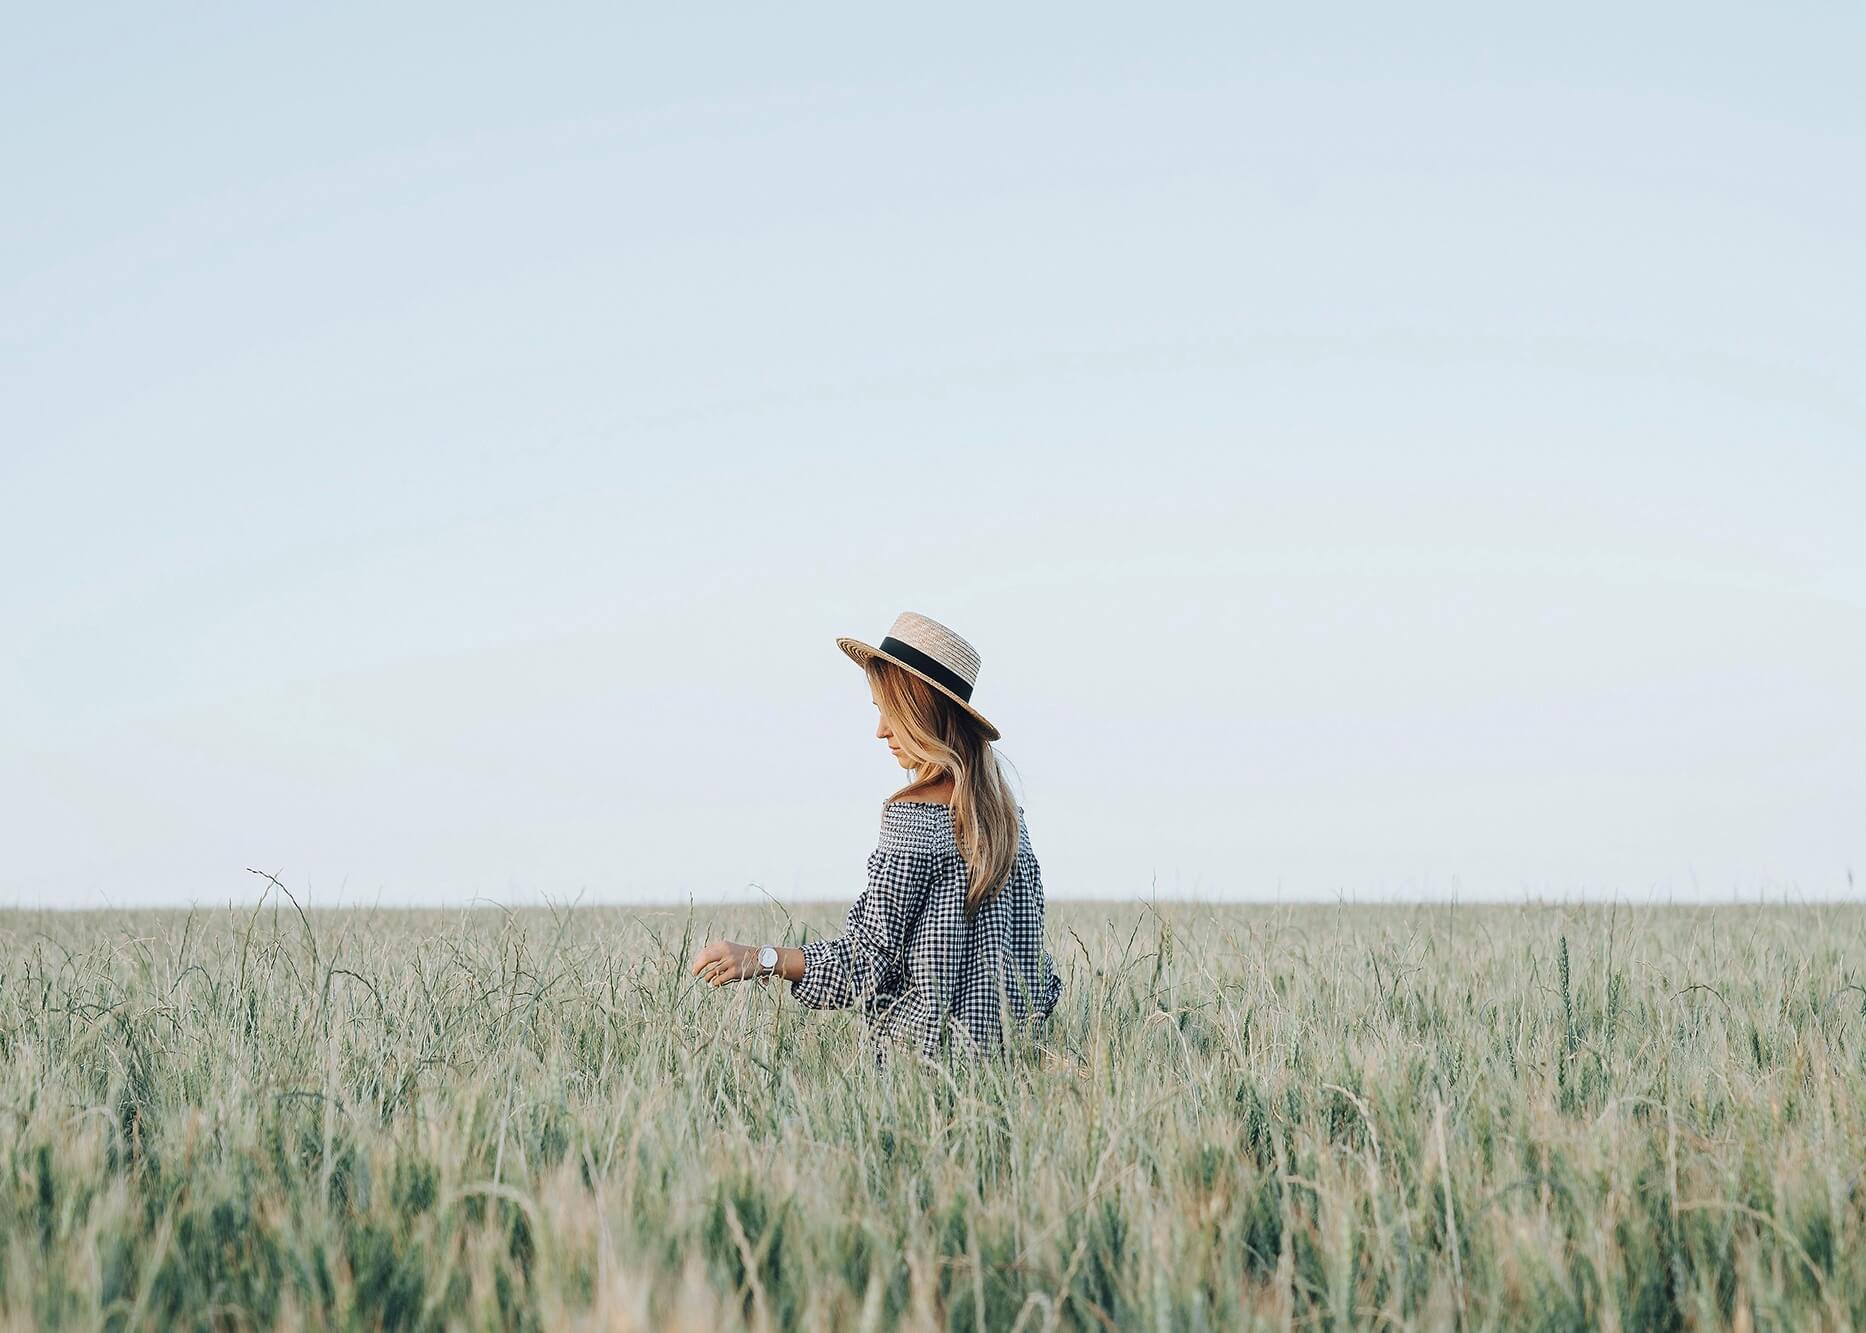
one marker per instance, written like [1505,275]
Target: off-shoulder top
[913,964]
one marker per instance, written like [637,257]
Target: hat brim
[860,652]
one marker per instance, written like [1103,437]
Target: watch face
[767,957]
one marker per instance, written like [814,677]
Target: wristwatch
[767,960]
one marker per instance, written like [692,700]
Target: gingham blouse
[910,960]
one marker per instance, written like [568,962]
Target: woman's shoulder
[927,793]
[940,806]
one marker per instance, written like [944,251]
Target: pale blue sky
[1375,452]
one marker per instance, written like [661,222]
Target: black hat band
[919,661]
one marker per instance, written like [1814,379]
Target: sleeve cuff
[816,988]
[1052,992]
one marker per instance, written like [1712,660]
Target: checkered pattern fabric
[912,963]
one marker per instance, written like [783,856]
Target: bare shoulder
[937,793]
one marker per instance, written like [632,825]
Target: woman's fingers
[718,963]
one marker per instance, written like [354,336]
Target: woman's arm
[725,961]
[833,973]
[731,962]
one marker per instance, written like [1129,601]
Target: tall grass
[1556,1118]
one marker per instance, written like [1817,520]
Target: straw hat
[932,652]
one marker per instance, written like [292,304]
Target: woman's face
[882,730]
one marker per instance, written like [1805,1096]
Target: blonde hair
[941,739]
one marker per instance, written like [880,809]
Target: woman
[948,935]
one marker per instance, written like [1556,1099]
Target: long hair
[940,738]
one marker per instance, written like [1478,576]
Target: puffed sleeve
[866,957]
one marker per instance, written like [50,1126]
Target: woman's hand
[723,961]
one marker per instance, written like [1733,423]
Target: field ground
[1432,1117]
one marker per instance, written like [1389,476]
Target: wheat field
[1551,1117]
